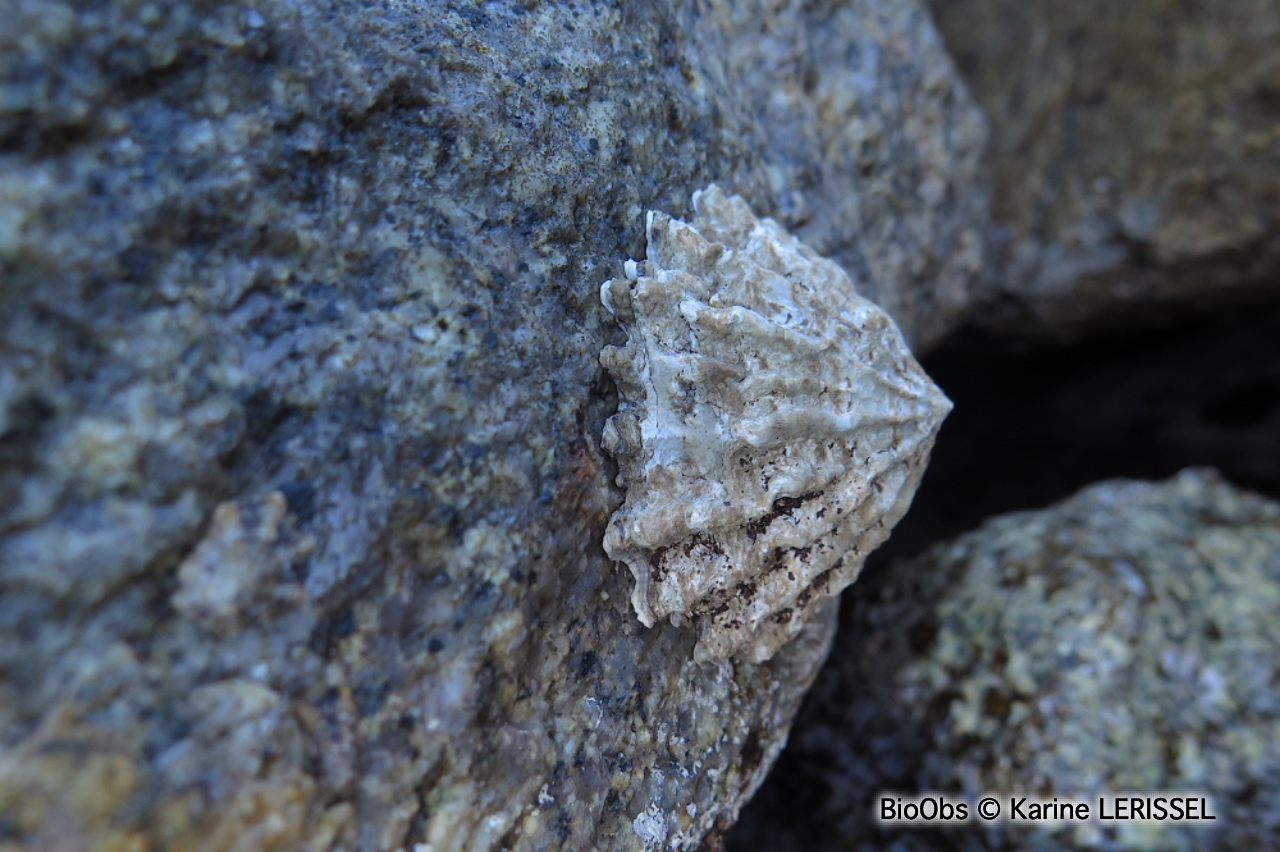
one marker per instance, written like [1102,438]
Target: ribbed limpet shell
[772,429]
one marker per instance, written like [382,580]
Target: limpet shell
[773,427]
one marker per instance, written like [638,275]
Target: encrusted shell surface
[773,427]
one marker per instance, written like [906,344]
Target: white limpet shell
[773,427]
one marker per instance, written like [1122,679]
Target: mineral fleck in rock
[773,427]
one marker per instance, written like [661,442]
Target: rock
[1132,158]
[300,402]
[1122,640]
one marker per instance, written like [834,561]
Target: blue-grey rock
[301,490]
[1132,156]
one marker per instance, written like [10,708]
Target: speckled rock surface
[1133,152]
[1122,640]
[300,401]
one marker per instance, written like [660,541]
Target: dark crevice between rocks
[1032,426]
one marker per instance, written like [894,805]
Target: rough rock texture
[302,497]
[1133,153]
[772,427]
[1123,640]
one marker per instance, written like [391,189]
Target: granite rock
[1122,640]
[300,401]
[1132,156]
